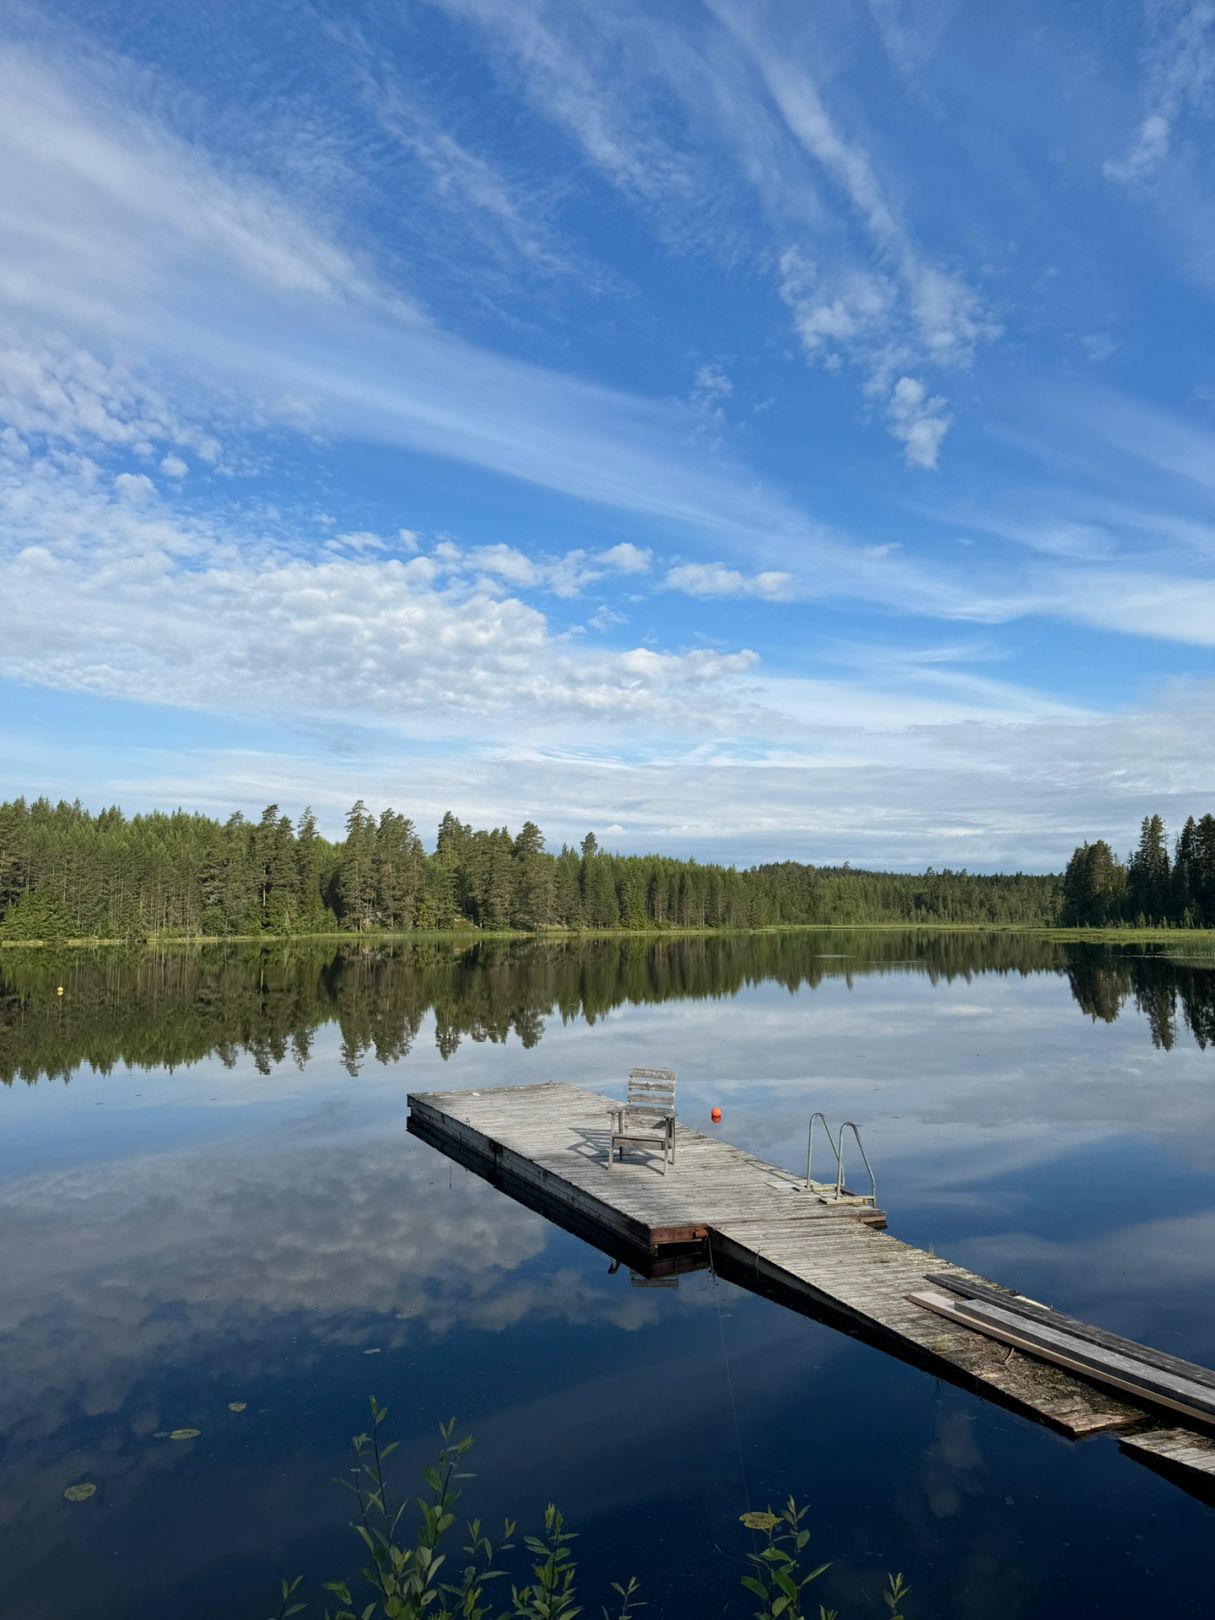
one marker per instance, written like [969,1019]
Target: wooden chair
[647,1116]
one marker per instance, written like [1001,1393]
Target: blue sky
[746,430]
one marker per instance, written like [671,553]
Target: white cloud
[482,205]
[898,769]
[909,31]
[1098,346]
[54,388]
[115,181]
[173,467]
[565,574]
[884,305]
[1146,154]
[713,579]
[711,386]
[134,487]
[506,716]
[875,300]
[1179,82]
[504,562]
[626,558]
[357,540]
[831,317]
[559,60]
[122,597]
[920,422]
[232,294]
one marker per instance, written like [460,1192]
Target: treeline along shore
[67,873]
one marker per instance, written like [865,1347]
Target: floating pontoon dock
[547,1146]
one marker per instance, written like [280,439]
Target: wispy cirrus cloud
[116,229]
[249,319]
[883,303]
[1179,82]
[868,294]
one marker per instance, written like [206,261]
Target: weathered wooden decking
[548,1145]
[556,1137]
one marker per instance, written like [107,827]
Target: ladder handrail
[850,1125]
[810,1149]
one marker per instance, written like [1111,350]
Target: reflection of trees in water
[1103,982]
[159,1008]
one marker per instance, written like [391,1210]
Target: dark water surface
[207,1195]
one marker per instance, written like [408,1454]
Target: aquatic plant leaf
[81,1492]
[184,1434]
[237,1406]
[759,1521]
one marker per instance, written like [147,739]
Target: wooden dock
[555,1138]
[547,1146]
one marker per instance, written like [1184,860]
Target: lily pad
[759,1521]
[81,1492]
[184,1434]
[237,1406]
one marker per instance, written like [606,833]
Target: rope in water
[721,1328]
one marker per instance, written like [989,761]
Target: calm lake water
[207,1195]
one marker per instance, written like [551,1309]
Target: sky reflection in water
[254,1225]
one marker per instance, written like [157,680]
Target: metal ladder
[835,1192]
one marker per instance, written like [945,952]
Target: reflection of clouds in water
[114,1272]
[994,1075]
[1140,1273]
[953,1467]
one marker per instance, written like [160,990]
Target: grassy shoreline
[1063,935]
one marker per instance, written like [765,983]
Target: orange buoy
[715,1115]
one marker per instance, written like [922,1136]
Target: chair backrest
[653,1088]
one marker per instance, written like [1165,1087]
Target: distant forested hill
[68,873]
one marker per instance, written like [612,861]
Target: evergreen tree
[1094,886]
[1148,872]
[356,872]
[1202,870]
[311,877]
[532,897]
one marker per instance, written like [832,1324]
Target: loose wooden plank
[860,1279]
[1120,1372]
[1032,1311]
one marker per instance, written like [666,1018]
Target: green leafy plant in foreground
[408,1576]
[778,1581]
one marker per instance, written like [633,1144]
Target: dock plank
[1177,1446]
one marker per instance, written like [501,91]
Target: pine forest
[67,873]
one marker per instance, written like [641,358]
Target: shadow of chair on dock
[592,1145]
